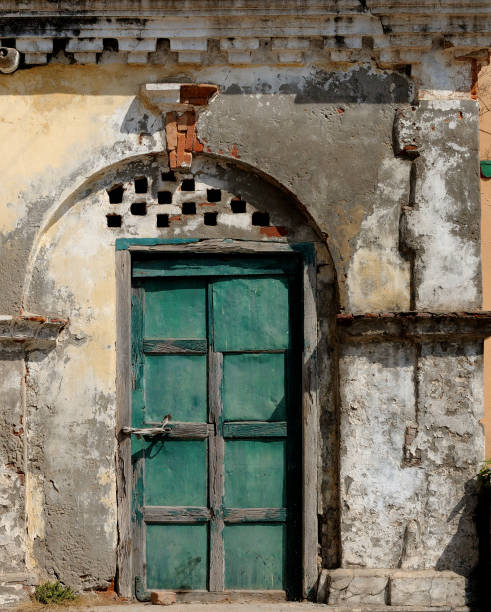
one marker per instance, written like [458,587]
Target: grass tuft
[53,593]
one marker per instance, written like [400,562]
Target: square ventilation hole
[141,185]
[139,208]
[187,185]
[113,220]
[238,205]
[168,177]
[189,208]
[210,218]
[162,220]
[164,197]
[260,218]
[115,194]
[213,195]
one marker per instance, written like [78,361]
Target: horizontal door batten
[175,514]
[254,515]
[185,431]
[254,429]
[180,346]
[195,267]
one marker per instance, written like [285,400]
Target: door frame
[125,247]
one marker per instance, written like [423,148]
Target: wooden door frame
[125,247]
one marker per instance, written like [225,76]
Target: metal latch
[149,431]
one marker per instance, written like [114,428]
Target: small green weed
[53,593]
[484,475]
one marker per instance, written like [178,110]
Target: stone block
[227,44]
[35,58]
[239,57]
[34,45]
[350,586]
[85,58]
[137,45]
[427,588]
[188,44]
[137,57]
[163,598]
[290,57]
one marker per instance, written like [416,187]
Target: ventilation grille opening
[164,197]
[187,185]
[189,208]
[213,195]
[260,218]
[115,194]
[169,177]
[162,220]
[238,205]
[113,220]
[141,185]
[139,208]
[210,218]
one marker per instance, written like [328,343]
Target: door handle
[149,431]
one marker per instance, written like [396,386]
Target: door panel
[175,308]
[255,473]
[215,498]
[254,387]
[255,556]
[251,314]
[181,377]
[177,556]
[176,473]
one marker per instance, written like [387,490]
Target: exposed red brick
[475,67]
[19,432]
[171,131]
[190,138]
[410,148]
[273,231]
[340,110]
[181,142]
[173,159]
[198,147]
[175,218]
[235,151]
[197,94]
[35,318]
[207,204]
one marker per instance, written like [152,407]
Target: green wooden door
[215,504]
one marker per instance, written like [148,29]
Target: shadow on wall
[357,85]
[472,519]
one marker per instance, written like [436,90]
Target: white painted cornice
[246,31]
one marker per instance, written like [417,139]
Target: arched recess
[72,391]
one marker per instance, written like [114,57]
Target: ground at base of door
[235,607]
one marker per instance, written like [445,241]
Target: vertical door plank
[123,418]
[310,428]
[216,474]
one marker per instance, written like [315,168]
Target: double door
[216,496]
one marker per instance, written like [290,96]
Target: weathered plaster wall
[410,504]
[326,136]
[485,154]
[12,476]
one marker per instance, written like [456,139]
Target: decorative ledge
[30,332]
[413,326]
[276,32]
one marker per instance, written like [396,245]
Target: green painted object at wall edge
[486,168]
